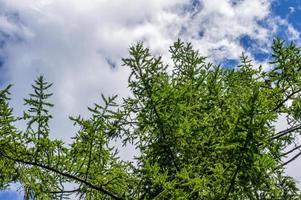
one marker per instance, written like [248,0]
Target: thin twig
[284,132]
[64,191]
[286,99]
[290,151]
[292,159]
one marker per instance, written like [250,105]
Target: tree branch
[243,150]
[290,151]
[287,131]
[64,191]
[158,120]
[63,174]
[291,160]
[286,99]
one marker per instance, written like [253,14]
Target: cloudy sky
[78,44]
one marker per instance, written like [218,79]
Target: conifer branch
[67,175]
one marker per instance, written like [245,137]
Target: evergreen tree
[202,132]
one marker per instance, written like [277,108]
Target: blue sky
[290,10]
[78,44]
[9,195]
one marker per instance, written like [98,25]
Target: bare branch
[287,131]
[292,159]
[290,151]
[285,100]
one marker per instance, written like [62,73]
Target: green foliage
[202,132]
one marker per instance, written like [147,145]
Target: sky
[78,44]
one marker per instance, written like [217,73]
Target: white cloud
[292,9]
[223,23]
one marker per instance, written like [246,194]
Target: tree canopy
[202,131]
